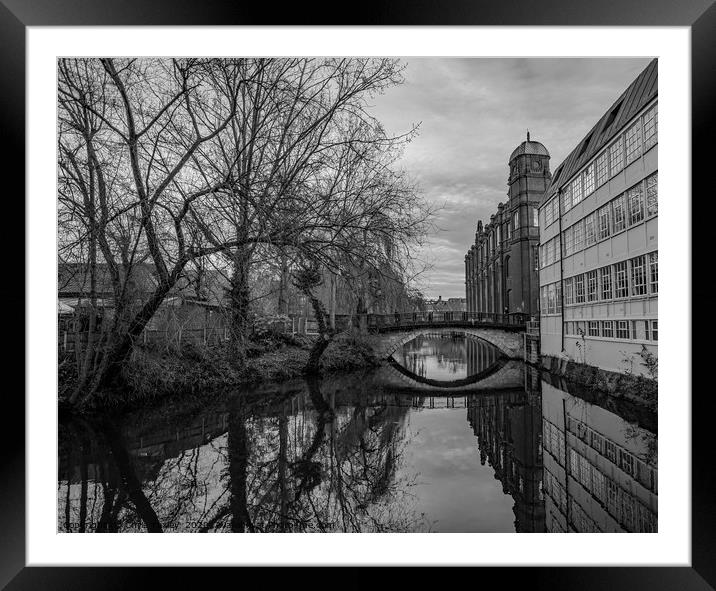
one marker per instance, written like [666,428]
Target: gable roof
[637,95]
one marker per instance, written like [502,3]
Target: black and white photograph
[357,294]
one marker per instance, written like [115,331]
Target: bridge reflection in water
[353,454]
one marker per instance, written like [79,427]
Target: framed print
[379,293]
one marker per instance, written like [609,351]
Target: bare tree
[165,162]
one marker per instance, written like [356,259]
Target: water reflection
[349,454]
[447,357]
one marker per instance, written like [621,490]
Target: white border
[671,546]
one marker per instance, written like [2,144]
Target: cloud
[472,113]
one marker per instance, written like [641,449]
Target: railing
[382,322]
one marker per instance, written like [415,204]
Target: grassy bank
[638,389]
[153,373]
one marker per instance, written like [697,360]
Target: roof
[73,279]
[529,147]
[638,94]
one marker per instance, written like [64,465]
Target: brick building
[501,266]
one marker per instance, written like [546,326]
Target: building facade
[501,266]
[599,239]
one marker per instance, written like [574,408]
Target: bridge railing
[380,322]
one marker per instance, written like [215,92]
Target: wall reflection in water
[447,357]
[342,456]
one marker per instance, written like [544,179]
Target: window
[654,272]
[579,288]
[638,276]
[608,328]
[548,214]
[558,290]
[654,330]
[567,198]
[602,168]
[622,329]
[618,214]
[606,277]
[603,221]
[652,198]
[592,286]
[647,325]
[621,280]
[650,128]
[635,203]
[550,252]
[516,220]
[593,328]
[568,291]
[636,330]
[633,142]
[535,220]
[577,190]
[568,241]
[589,180]
[610,451]
[567,326]
[616,156]
[626,462]
[590,234]
[578,235]
[544,299]
[551,302]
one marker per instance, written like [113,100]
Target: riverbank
[153,374]
[637,389]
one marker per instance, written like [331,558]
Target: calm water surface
[449,438]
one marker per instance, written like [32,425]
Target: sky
[472,112]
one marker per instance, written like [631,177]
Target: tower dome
[529,147]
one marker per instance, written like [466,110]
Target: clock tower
[528,180]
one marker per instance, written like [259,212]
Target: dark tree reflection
[312,461]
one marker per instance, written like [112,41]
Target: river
[448,437]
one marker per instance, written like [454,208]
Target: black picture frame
[699,15]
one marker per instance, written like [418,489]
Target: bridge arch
[509,343]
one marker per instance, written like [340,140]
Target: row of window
[632,515]
[628,209]
[641,330]
[636,277]
[632,207]
[638,138]
[627,461]
[622,505]
[488,247]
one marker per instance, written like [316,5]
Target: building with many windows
[598,253]
[501,266]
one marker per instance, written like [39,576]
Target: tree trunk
[333,303]
[117,349]
[283,287]
[325,335]
[240,296]
[238,447]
